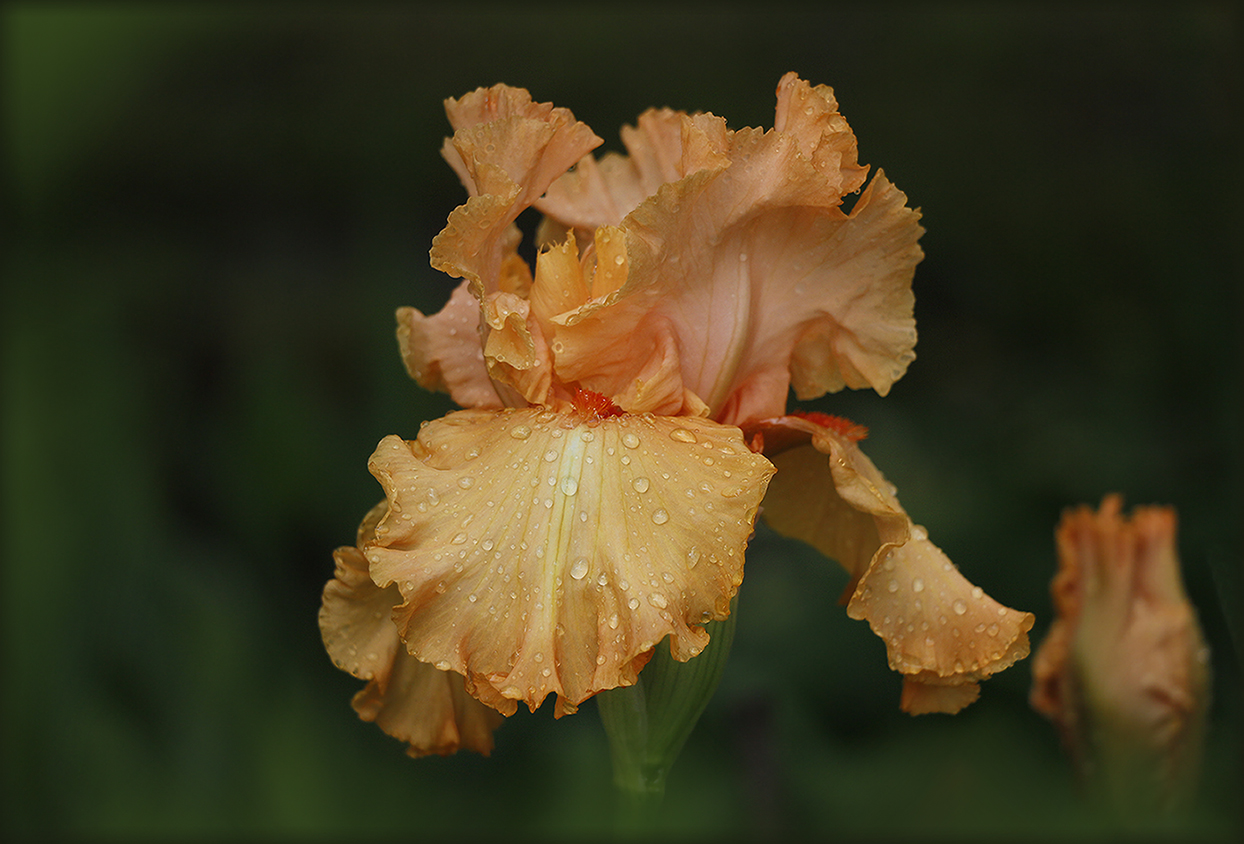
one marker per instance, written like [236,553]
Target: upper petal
[762,279]
[540,552]
[664,146]
[507,150]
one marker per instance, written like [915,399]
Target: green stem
[648,723]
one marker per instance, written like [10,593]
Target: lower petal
[540,552]
[410,700]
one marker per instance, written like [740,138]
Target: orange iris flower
[626,415]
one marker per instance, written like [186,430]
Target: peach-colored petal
[443,351]
[410,700]
[665,146]
[507,150]
[542,552]
[502,138]
[428,709]
[940,630]
[764,282]
[847,519]
[515,352]
[811,116]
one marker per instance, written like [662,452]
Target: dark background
[213,212]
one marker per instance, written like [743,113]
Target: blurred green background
[212,212]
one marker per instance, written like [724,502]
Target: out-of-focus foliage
[214,211]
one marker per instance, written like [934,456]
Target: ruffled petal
[665,146]
[428,709]
[410,700]
[542,552]
[443,351]
[759,275]
[940,630]
[507,150]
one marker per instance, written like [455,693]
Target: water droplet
[960,606]
[682,435]
[466,482]
[977,592]
[443,665]
[487,544]
[917,585]
[660,517]
[587,436]
[993,630]
[630,440]
[892,586]
[520,432]
[579,570]
[550,456]
[613,621]
[619,260]
[633,603]
[640,484]
[602,579]
[472,453]
[693,556]
[569,486]
[657,600]
[458,539]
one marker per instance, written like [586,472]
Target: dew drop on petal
[640,484]
[682,435]
[960,606]
[892,586]
[630,440]
[660,517]
[657,600]
[520,432]
[458,539]
[693,556]
[443,665]
[569,486]
[487,545]
[633,603]
[579,570]
[466,482]
[917,585]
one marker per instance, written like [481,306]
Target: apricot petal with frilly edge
[542,552]
[941,633]
[410,700]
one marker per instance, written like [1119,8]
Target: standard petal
[542,552]
[664,146]
[765,283]
[940,630]
[507,150]
[410,700]
[444,351]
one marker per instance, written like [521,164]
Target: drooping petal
[764,282]
[942,633]
[428,709]
[410,700]
[542,552]
[444,352]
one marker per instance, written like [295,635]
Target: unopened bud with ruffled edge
[1123,672]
